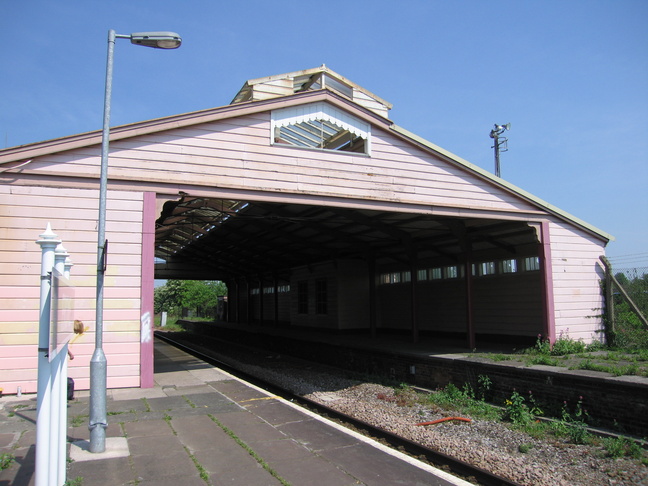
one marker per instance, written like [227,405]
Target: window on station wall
[391,278]
[508,266]
[531,263]
[484,268]
[397,277]
[320,126]
[422,274]
[302,297]
[321,296]
[451,272]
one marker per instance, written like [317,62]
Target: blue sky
[571,76]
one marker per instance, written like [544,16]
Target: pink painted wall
[578,301]
[72,213]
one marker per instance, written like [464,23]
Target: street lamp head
[158,40]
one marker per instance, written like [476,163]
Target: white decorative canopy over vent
[320,125]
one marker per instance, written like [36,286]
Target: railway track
[438,459]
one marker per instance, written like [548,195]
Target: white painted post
[48,242]
[59,397]
[163,319]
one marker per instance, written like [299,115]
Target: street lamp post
[98,364]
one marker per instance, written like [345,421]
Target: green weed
[524,448]
[147,405]
[78,420]
[516,410]
[5,460]
[542,359]
[204,475]
[618,447]
[78,481]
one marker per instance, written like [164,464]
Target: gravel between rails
[492,446]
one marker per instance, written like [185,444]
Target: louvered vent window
[320,126]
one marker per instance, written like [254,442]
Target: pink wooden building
[315,209]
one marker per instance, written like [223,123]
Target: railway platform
[200,425]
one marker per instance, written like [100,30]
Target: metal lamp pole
[98,364]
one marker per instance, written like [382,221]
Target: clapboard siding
[237,153]
[576,275]
[72,214]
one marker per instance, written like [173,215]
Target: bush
[618,447]
[565,345]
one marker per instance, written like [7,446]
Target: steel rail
[438,459]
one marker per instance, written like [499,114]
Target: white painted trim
[319,111]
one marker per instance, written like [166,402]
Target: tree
[199,295]
[168,298]
[202,296]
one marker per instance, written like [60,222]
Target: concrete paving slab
[315,437]
[279,450]
[210,438]
[162,466]
[115,447]
[148,428]
[233,465]
[183,378]
[121,406]
[215,401]
[194,425]
[237,391]
[191,481]
[109,471]
[253,431]
[210,374]
[184,390]
[276,412]
[7,440]
[235,419]
[137,393]
[372,466]
[314,470]
[162,445]
[27,439]
[256,476]
[167,403]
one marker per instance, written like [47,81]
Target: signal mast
[501,144]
